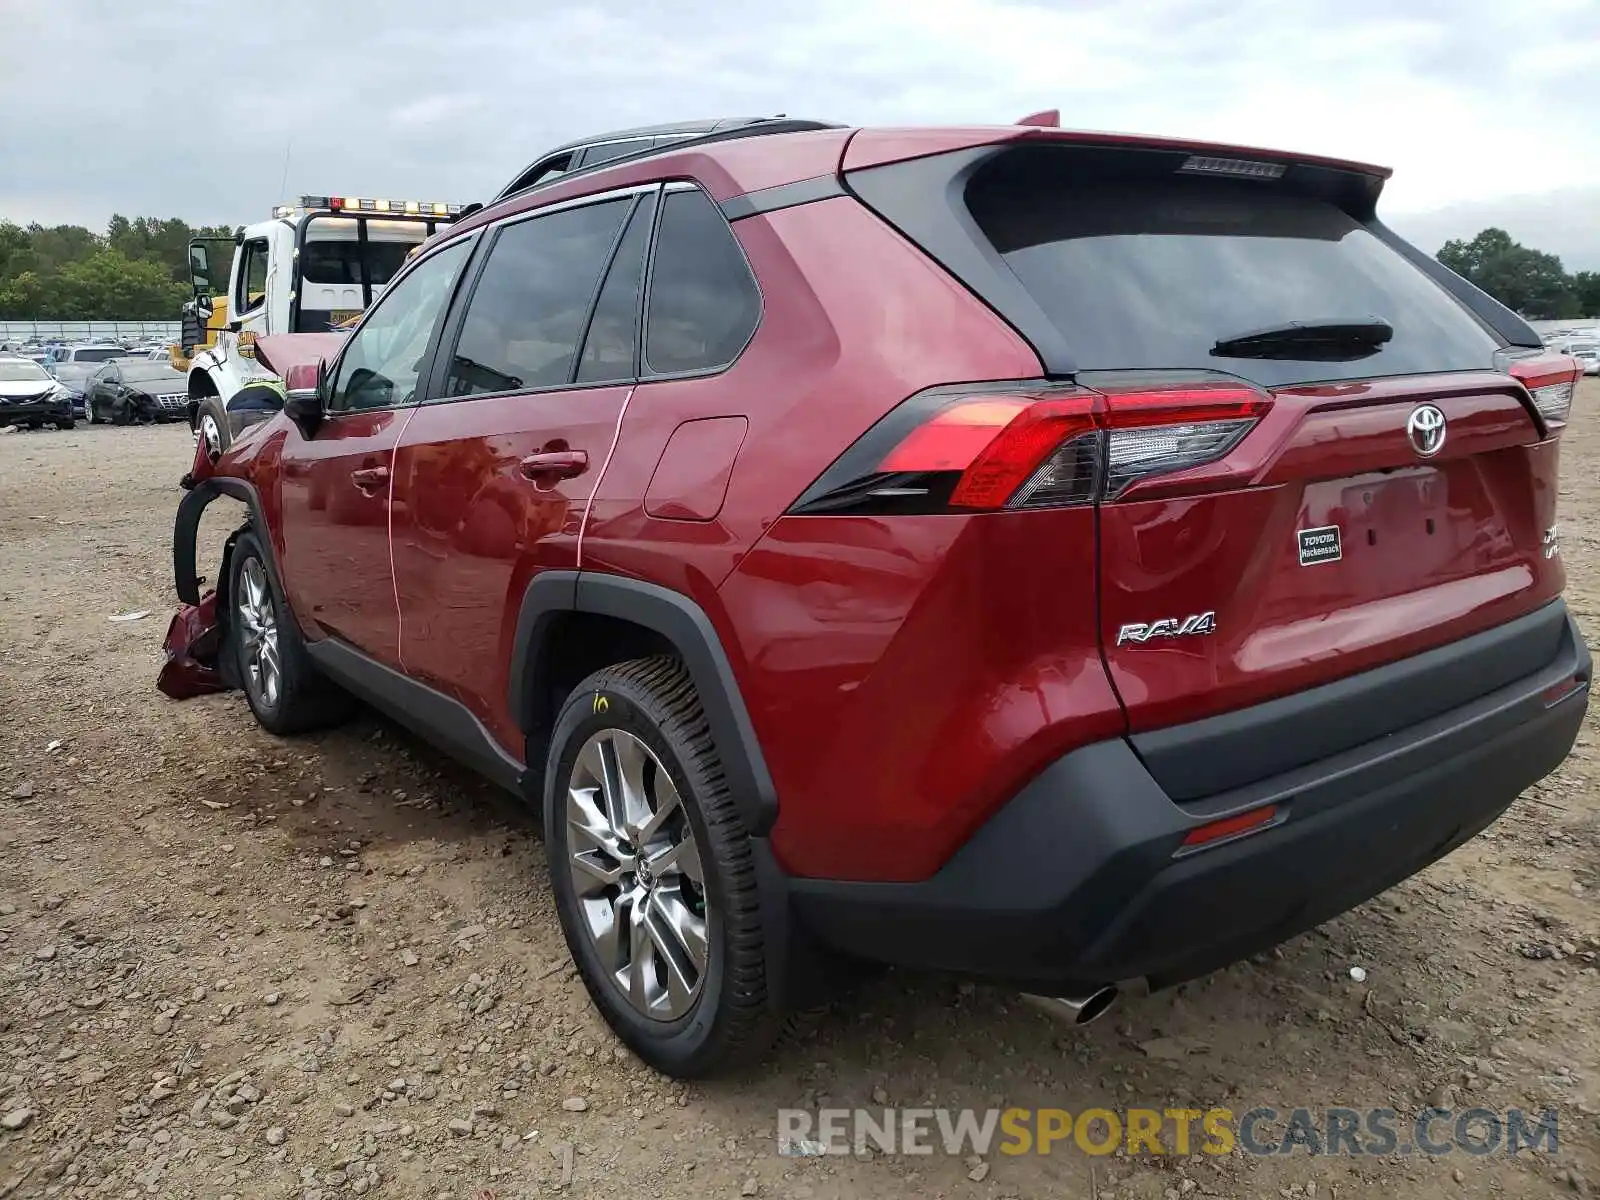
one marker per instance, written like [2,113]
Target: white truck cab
[316,264]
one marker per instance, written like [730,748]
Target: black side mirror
[202,306]
[305,410]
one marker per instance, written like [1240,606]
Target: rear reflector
[1230,827]
[1553,696]
[1035,445]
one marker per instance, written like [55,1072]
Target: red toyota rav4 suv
[1060,559]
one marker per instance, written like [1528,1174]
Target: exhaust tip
[1077,1010]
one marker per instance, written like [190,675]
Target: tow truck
[313,267]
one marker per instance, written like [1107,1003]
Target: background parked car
[136,389]
[1585,350]
[72,366]
[29,396]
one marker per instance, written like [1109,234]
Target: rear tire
[211,425]
[281,684]
[636,938]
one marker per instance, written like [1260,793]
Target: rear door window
[1151,273]
[704,305]
[527,314]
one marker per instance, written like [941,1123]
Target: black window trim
[243,287]
[431,352]
[645,374]
[456,318]
[655,198]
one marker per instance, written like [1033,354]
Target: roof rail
[758,128]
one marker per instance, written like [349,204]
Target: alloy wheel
[212,436]
[258,630]
[636,870]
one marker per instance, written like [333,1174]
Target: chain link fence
[22,332]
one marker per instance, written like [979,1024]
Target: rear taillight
[1032,445]
[1550,379]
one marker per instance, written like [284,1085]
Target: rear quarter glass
[1140,267]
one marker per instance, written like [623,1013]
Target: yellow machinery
[200,333]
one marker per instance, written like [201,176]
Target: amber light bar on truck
[368,204]
[979,447]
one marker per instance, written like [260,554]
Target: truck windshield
[335,252]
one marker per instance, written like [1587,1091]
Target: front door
[336,485]
[498,466]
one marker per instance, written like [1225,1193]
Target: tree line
[1528,281]
[138,270]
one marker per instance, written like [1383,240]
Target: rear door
[495,472]
[1369,490]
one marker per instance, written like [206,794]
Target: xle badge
[1319,545]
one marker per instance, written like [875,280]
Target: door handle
[370,479]
[550,465]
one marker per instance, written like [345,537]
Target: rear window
[98,354]
[1142,272]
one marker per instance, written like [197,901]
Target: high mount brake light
[1550,379]
[1035,445]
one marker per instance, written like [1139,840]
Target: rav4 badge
[1168,627]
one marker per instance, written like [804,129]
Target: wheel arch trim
[186,527]
[684,624]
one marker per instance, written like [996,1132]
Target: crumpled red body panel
[191,647]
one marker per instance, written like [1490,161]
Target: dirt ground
[238,966]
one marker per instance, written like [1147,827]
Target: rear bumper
[1082,878]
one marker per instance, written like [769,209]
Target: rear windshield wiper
[1334,340]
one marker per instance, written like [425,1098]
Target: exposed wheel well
[575,645]
[201,385]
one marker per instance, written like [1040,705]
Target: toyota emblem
[1425,428]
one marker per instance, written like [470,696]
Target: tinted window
[610,350]
[104,354]
[380,366]
[703,301]
[528,309]
[610,150]
[252,276]
[1152,272]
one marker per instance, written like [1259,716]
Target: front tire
[652,871]
[66,422]
[281,684]
[211,426]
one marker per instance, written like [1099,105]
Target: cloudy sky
[1489,111]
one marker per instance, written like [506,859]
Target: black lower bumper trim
[1074,882]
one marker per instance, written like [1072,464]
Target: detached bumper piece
[1095,873]
[191,649]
